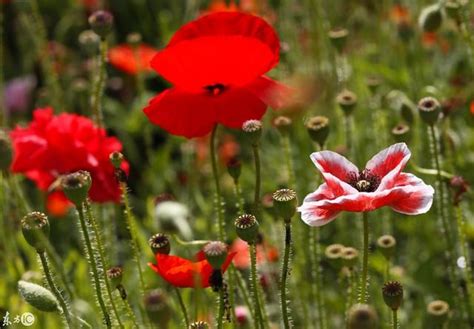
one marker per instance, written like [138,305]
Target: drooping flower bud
[285,203]
[318,129]
[199,325]
[5,151]
[347,101]
[116,158]
[234,168]
[407,110]
[338,37]
[392,292]
[253,129]
[115,274]
[282,123]
[157,307]
[459,186]
[101,22]
[438,311]
[76,186]
[401,133]
[246,227]
[386,244]
[35,228]
[159,244]
[429,108]
[216,253]
[430,18]
[334,253]
[38,296]
[349,256]
[362,316]
[89,42]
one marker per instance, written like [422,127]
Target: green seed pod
[216,253]
[334,254]
[101,22]
[350,256]
[338,37]
[246,227]
[5,151]
[35,228]
[429,109]
[347,101]
[89,42]
[431,18]
[362,316]
[159,244]
[387,244]
[38,296]
[115,274]
[318,129]
[285,203]
[438,312]
[76,186]
[157,308]
[392,292]
[116,158]
[234,168]
[401,133]
[199,325]
[253,129]
[283,124]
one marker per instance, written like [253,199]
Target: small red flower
[127,59]
[380,184]
[51,146]
[216,64]
[265,253]
[183,273]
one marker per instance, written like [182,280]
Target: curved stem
[258,179]
[258,322]
[284,276]
[365,262]
[54,289]
[182,306]
[218,198]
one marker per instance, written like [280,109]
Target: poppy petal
[271,92]
[181,113]
[236,106]
[311,213]
[419,201]
[335,169]
[124,58]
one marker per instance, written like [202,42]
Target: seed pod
[438,312]
[362,316]
[216,253]
[116,158]
[401,133]
[115,275]
[283,124]
[318,129]
[338,37]
[253,129]
[347,101]
[159,244]
[349,256]
[38,296]
[89,42]
[429,109]
[76,186]
[246,227]
[334,253]
[392,292]
[431,18]
[386,244]
[199,325]
[101,22]
[285,202]
[35,228]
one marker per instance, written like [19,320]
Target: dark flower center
[215,89]
[364,181]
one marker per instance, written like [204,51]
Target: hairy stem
[99,86]
[284,276]
[218,198]
[365,262]
[394,319]
[258,321]
[182,306]
[258,179]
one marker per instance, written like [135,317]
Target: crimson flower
[216,65]
[125,58]
[381,183]
[184,273]
[51,146]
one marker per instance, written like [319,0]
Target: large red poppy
[184,273]
[125,58]
[381,183]
[54,145]
[216,65]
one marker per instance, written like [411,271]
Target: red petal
[311,213]
[57,204]
[236,106]
[126,59]
[419,201]
[335,169]
[271,92]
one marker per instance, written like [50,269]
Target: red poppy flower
[265,253]
[216,64]
[183,273]
[132,61]
[57,204]
[54,145]
[380,184]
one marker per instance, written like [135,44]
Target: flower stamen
[215,89]
[364,181]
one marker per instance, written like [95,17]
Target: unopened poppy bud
[430,18]
[115,274]
[338,37]
[157,307]
[5,151]
[407,111]
[101,22]
[234,168]
[459,186]
[334,254]
[38,296]
[89,42]
[429,108]
[373,83]
[438,311]
[362,316]
[253,129]
[246,227]
[392,292]
[401,133]
[76,186]
[285,203]
[116,158]
[35,228]
[159,244]
[318,129]
[134,39]
[387,244]
[216,253]
[283,124]
[199,325]
[349,256]
[347,101]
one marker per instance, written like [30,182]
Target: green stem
[350,292]
[348,133]
[365,262]
[284,276]
[258,322]
[289,161]
[258,179]
[218,198]
[126,304]
[95,271]
[316,275]
[182,306]
[99,87]
[238,196]
[220,305]
[395,319]
[243,290]
[54,289]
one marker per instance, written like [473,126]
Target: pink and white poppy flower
[381,183]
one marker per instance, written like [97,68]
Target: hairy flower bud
[35,228]
[101,22]
[38,296]
[246,227]
[362,316]
[429,108]
[386,244]
[347,101]
[216,253]
[76,186]
[338,37]
[285,202]
[159,244]
[318,129]
[392,292]
[253,129]
[430,18]
[234,168]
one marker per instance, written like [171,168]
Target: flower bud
[392,292]
[234,168]
[401,133]
[338,37]
[285,203]
[438,311]
[38,296]
[334,254]
[362,316]
[430,18]
[387,244]
[242,315]
[347,101]
[429,109]
[35,228]
[76,186]
[253,129]
[134,39]
[459,187]
[199,325]
[115,274]
[89,42]
[216,253]
[116,158]
[283,124]
[349,256]
[318,129]
[157,308]
[246,227]
[101,22]
[159,244]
